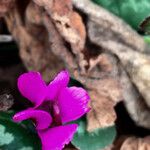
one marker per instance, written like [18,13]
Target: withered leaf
[102,104]
[133,143]
[45,3]
[69,24]
[6,102]
[134,102]
[112,34]
[102,112]
[5,6]
[101,80]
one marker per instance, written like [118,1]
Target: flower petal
[73,103]
[42,119]
[32,87]
[60,81]
[56,138]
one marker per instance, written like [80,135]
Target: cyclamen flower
[54,106]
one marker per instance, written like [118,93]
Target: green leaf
[15,136]
[26,124]
[95,140]
[147,39]
[132,11]
[6,116]
[5,138]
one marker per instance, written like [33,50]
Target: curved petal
[32,87]
[56,138]
[73,103]
[60,81]
[42,119]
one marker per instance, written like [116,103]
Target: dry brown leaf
[101,79]
[136,63]
[47,4]
[5,6]
[133,143]
[35,50]
[34,15]
[102,33]
[112,34]
[109,87]
[69,24]
[133,101]
[102,112]
[102,104]
[106,28]
[6,102]
[62,7]
[57,44]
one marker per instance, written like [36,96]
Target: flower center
[53,109]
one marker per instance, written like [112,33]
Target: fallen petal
[73,103]
[42,119]
[56,138]
[32,87]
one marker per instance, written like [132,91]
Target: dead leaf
[6,102]
[45,3]
[135,104]
[102,32]
[102,104]
[104,27]
[69,24]
[102,112]
[5,6]
[101,80]
[133,143]
[112,34]
[62,7]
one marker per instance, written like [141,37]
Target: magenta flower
[54,106]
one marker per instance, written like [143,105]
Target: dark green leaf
[132,11]
[96,140]
[15,136]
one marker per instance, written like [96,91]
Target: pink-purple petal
[41,118]
[73,103]
[32,87]
[59,82]
[56,138]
